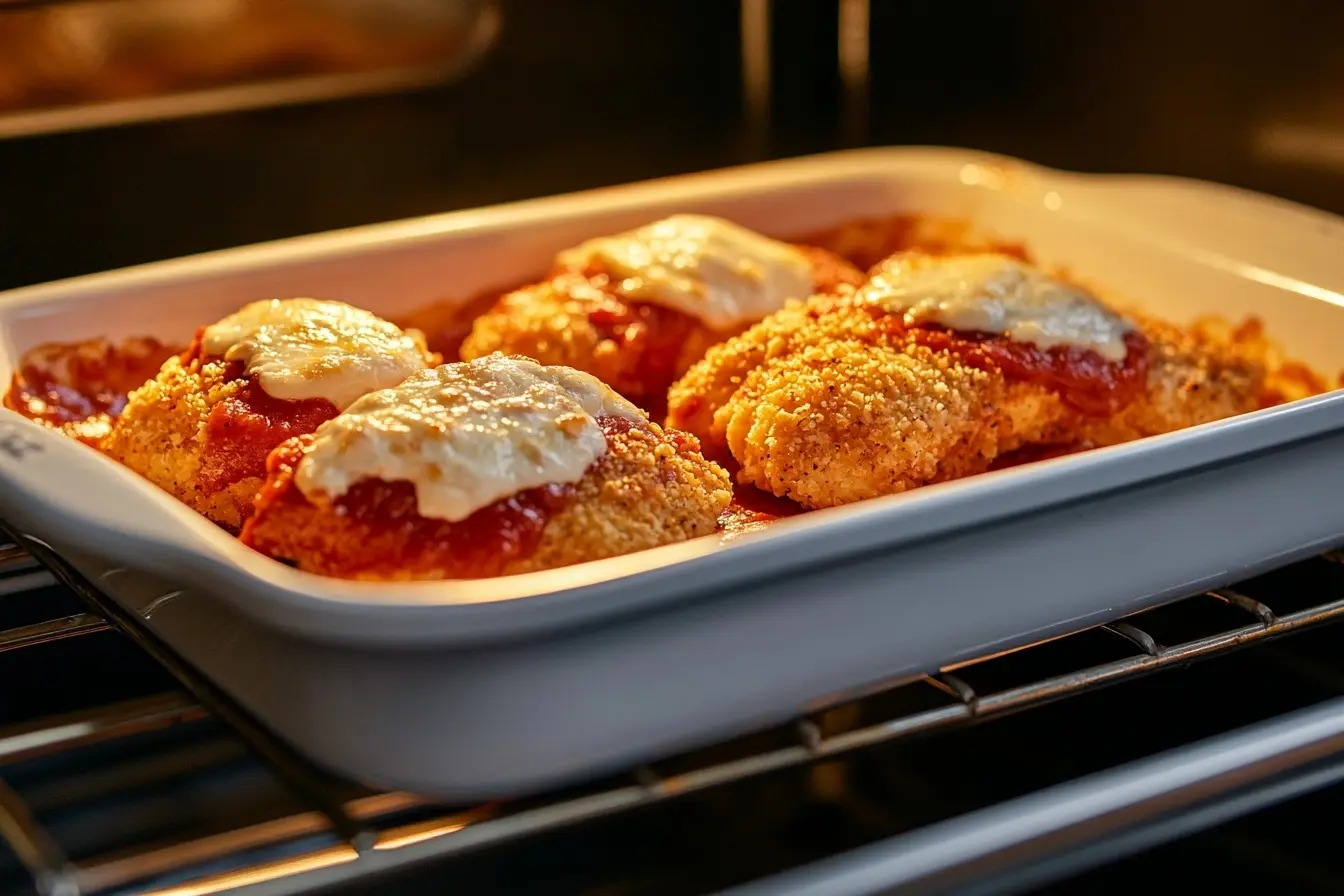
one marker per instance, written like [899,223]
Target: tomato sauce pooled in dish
[382,531]
[80,388]
[753,510]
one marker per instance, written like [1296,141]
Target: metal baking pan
[75,64]
[487,688]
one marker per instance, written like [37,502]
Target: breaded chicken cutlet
[489,467]
[637,309]
[202,427]
[866,242]
[940,365]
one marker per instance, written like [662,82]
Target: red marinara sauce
[242,429]
[652,335]
[1084,380]
[79,388]
[752,510]
[377,528]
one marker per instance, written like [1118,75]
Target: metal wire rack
[329,829]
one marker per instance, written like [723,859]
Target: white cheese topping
[997,294]
[307,348]
[709,268]
[466,435]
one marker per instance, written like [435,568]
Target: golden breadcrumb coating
[553,322]
[822,404]
[867,241]
[201,430]
[652,487]
[1286,379]
[161,434]
[574,319]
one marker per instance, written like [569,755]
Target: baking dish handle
[80,495]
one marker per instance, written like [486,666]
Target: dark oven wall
[582,93]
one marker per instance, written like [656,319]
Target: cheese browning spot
[1000,295]
[466,435]
[307,348]
[713,270]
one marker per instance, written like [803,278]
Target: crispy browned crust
[651,488]
[866,241]
[553,322]
[817,404]
[161,434]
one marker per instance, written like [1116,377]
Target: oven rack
[340,832]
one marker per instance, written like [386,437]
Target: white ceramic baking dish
[472,689]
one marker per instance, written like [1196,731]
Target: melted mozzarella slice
[997,294]
[308,348]
[711,269]
[466,435]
